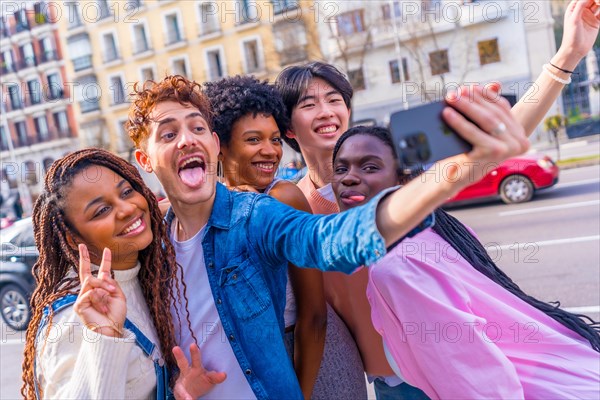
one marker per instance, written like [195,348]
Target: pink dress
[454,333]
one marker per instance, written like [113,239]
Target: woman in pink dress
[453,324]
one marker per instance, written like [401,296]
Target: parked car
[17,257]
[515,180]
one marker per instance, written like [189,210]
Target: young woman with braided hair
[453,323]
[104,336]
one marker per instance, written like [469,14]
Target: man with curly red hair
[235,247]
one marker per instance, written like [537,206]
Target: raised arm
[581,24]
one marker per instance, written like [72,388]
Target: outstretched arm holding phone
[581,25]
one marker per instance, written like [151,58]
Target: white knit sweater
[76,363]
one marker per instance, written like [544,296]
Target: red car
[514,180]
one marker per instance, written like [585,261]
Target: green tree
[554,124]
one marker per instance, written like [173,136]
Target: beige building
[114,44]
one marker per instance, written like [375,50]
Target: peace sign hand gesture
[101,304]
[194,380]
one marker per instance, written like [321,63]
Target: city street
[549,246]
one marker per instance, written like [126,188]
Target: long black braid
[471,249]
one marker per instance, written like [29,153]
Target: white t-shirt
[217,354]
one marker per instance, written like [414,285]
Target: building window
[21,129]
[439,62]
[405,69]
[124,143]
[248,11]
[395,70]
[290,42]
[79,50]
[27,55]
[215,65]
[280,6]
[21,20]
[147,74]
[15,97]
[62,124]
[87,93]
[41,128]
[30,173]
[357,79]
[117,89]
[209,22]
[103,10]
[388,13]
[3,139]
[179,67]
[488,51]
[40,13]
[34,88]
[350,22]
[55,88]
[110,47]
[48,52]
[140,40]
[252,56]
[3,27]
[8,62]
[173,30]
[73,14]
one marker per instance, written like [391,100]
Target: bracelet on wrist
[566,71]
[546,69]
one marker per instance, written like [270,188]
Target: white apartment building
[399,54]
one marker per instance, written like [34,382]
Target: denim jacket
[247,244]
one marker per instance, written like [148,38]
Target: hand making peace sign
[101,304]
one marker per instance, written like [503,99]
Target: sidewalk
[573,152]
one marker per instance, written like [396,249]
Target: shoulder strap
[272,184]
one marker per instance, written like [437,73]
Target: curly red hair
[171,88]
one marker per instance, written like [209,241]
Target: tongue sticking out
[357,198]
[192,176]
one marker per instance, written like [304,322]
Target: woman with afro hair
[250,119]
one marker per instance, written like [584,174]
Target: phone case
[422,138]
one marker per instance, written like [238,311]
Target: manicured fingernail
[111,288]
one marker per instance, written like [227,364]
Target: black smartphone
[421,137]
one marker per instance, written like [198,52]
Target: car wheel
[14,305]
[516,189]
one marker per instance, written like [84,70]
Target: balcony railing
[26,62]
[55,93]
[22,141]
[81,63]
[89,105]
[8,68]
[35,98]
[64,132]
[49,55]
[21,27]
